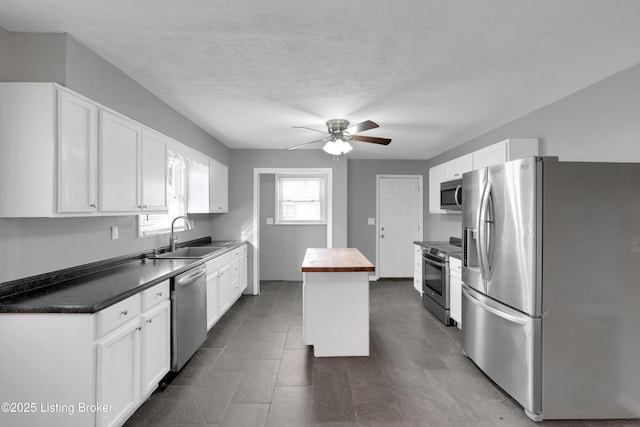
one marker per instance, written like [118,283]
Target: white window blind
[151,224]
[300,199]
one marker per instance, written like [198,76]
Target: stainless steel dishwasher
[188,315]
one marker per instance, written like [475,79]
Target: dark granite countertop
[93,292]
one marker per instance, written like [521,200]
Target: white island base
[336,311]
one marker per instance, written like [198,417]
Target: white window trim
[323,198]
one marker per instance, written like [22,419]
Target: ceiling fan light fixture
[337,147]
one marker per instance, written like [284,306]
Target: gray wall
[96,78]
[598,123]
[283,246]
[37,57]
[238,223]
[5,43]
[30,246]
[362,197]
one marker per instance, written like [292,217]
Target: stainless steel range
[435,276]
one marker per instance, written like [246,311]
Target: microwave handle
[457,194]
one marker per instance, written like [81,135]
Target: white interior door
[399,223]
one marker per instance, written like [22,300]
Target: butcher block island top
[335,260]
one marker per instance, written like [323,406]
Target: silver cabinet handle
[139,328]
[149,320]
[382,236]
[93,205]
[124,312]
[159,294]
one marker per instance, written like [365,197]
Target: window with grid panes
[300,199]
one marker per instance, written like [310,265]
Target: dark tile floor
[254,370]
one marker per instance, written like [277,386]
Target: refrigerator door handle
[482,233]
[510,317]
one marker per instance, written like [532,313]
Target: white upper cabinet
[77,148]
[436,177]
[62,154]
[503,151]
[218,187]
[28,123]
[119,163]
[133,166]
[198,183]
[456,167]
[153,172]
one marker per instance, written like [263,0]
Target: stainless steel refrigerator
[551,284]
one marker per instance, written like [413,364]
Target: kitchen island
[335,298]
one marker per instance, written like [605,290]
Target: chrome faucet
[172,240]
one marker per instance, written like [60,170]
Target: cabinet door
[492,155]
[77,145]
[156,346]
[119,144]
[118,374]
[456,167]
[198,191]
[243,272]
[213,307]
[436,177]
[153,172]
[224,292]
[219,187]
[417,268]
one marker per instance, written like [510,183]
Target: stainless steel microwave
[451,195]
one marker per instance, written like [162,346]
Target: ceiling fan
[339,134]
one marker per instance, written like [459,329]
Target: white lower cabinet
[156,346]
[417,268]
[226,280]
[131,360]
[118,374]
[217,278]
[86,369]
[455,290]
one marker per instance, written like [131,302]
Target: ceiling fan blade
[372,139]
[361,127]
[304,127]
[306,143]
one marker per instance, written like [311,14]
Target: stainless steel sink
[194,252]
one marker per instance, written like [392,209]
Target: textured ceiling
[432,73]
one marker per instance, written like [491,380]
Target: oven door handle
[432,262]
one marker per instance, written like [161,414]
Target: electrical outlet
[269,221]
[371,221]
[114,232]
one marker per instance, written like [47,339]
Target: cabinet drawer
[218,262]
[155,295]
[118,314]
